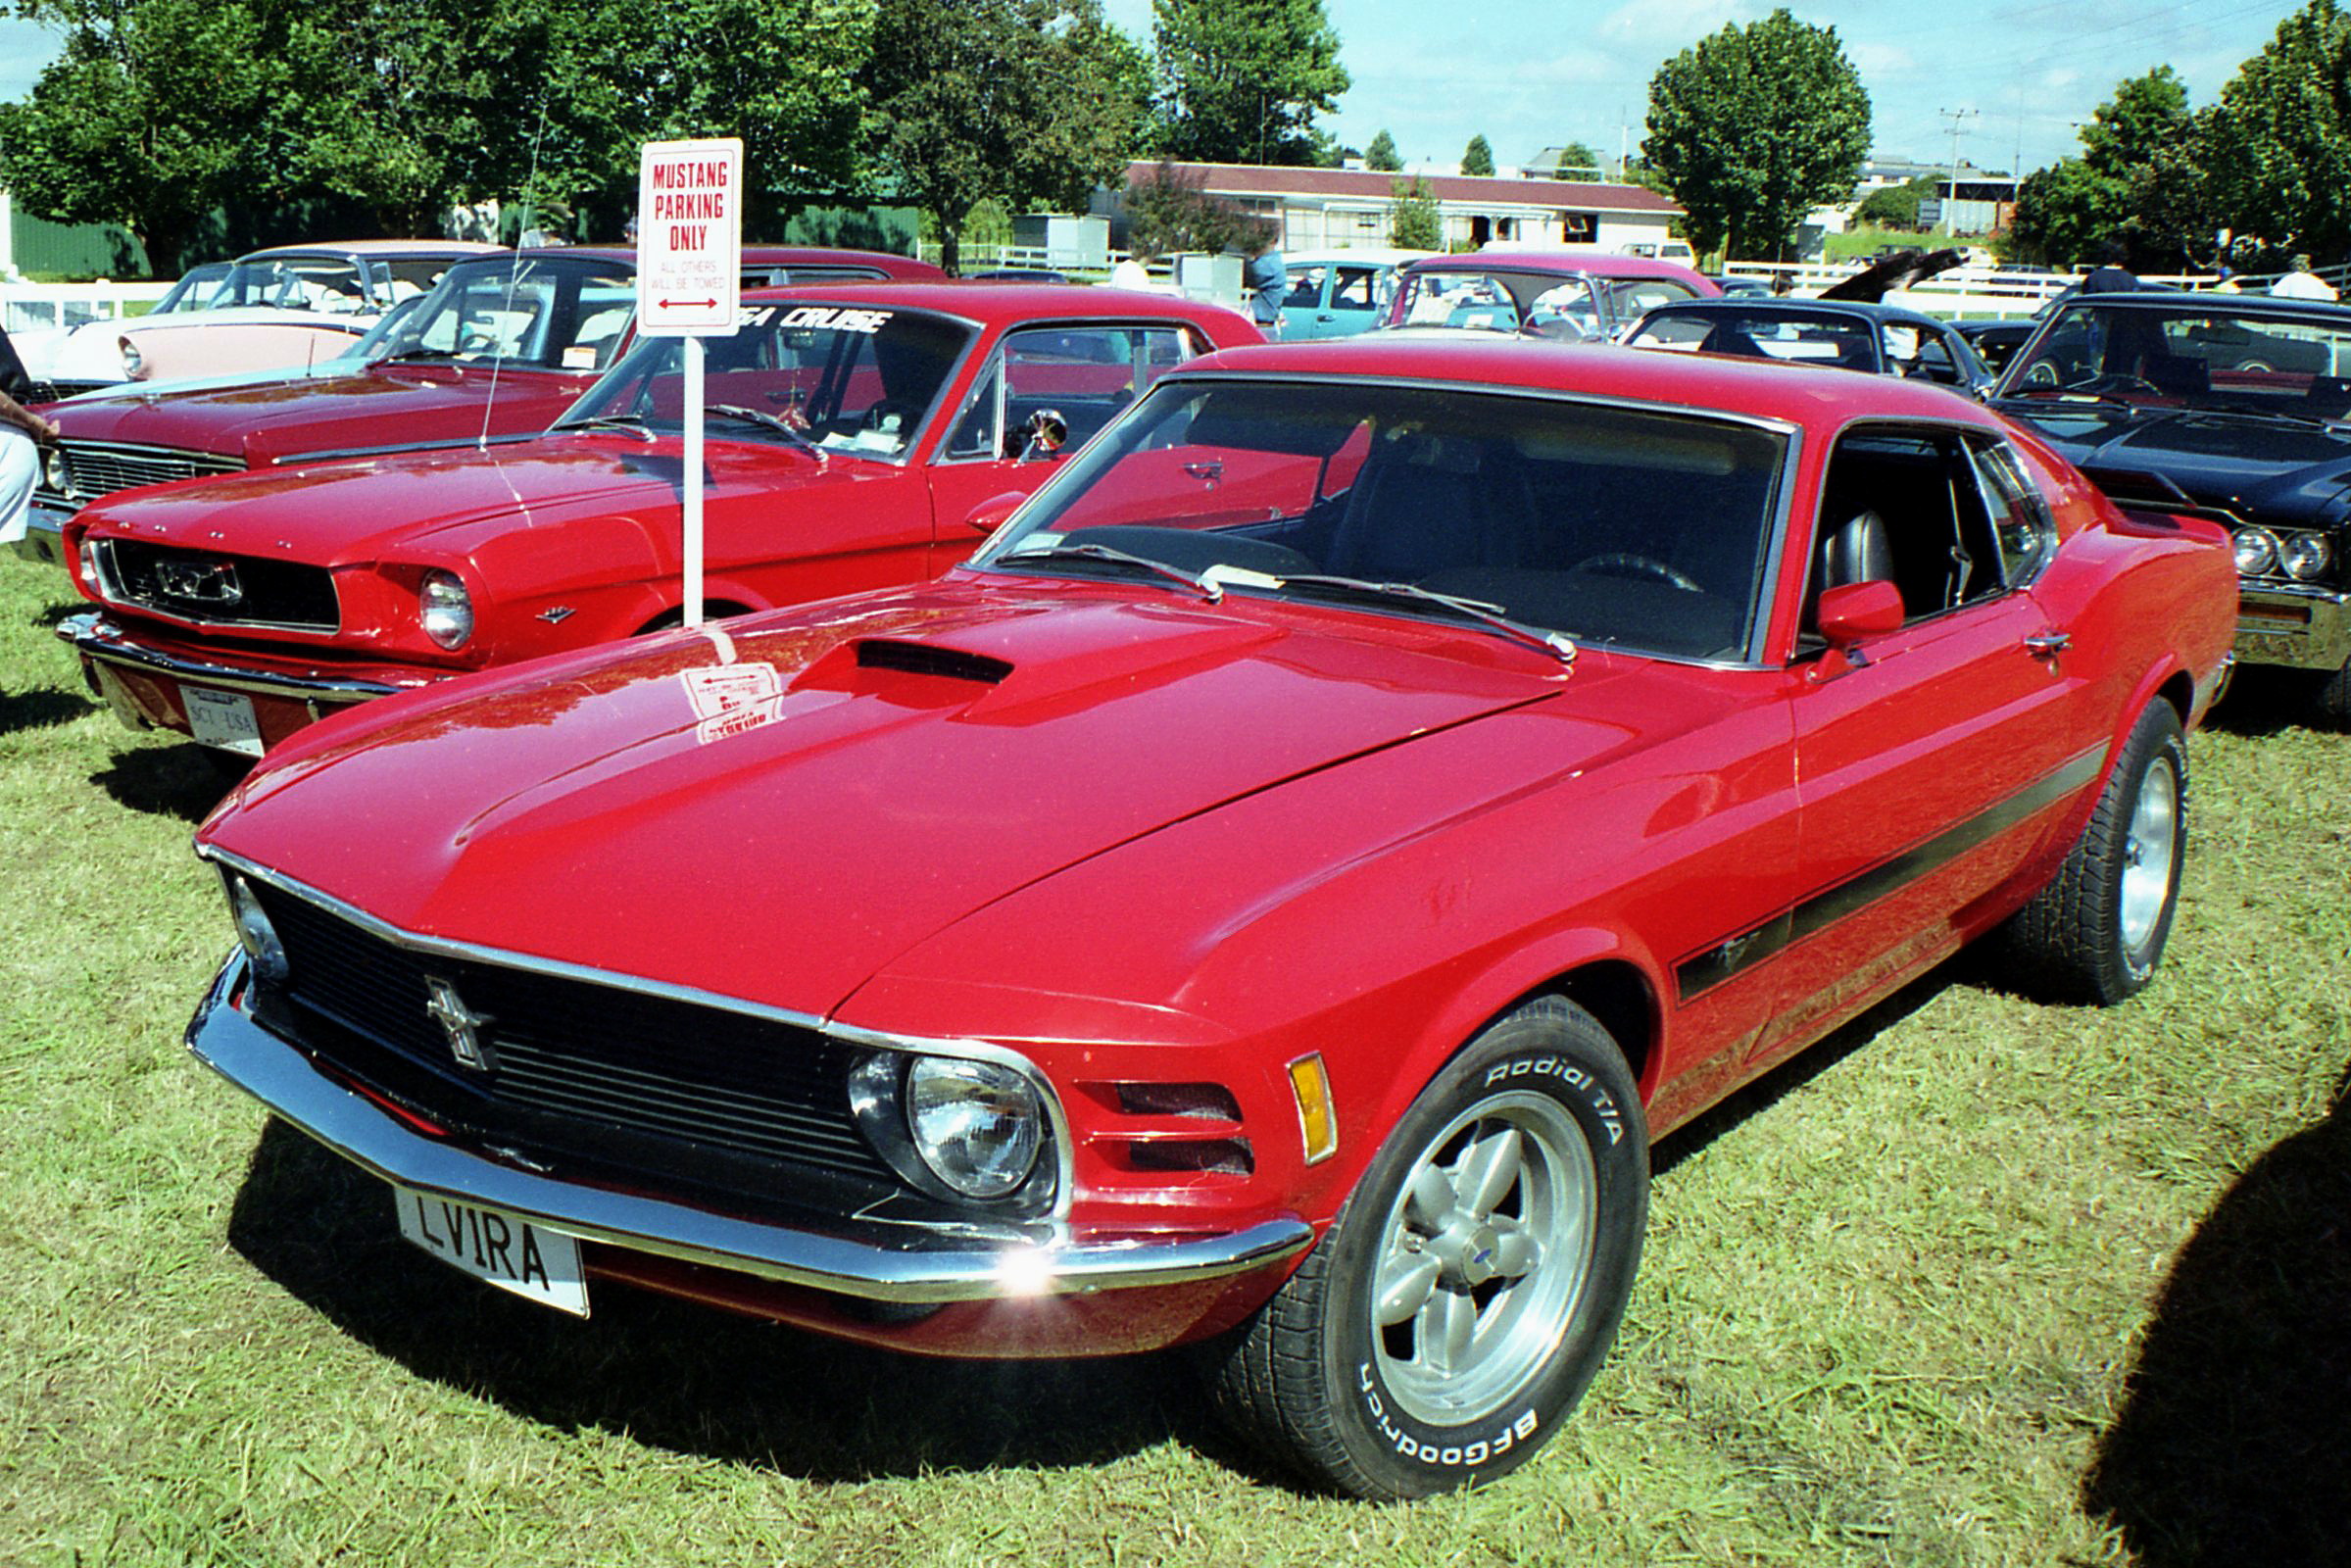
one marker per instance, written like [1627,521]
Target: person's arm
[17,417]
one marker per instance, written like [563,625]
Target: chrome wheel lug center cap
[1468,1251]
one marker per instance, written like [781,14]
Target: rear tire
[2335,698]
[2096,931]
[1468,1292]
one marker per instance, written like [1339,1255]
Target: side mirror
[989,515]
[1849,613]
[1044,433]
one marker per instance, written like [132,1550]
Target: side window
[1306,288]
[1935,361]
[975,427]
[1357,289]
[1905,507]
[2020,513]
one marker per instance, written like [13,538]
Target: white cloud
[1879,59]
[1673,24]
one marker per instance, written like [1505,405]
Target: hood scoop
[929,658]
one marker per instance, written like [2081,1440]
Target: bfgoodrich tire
[2096,931]
[1468,1292]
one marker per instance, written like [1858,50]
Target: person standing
[23,435]
[2301,284]
[1266,281]
[2110,275]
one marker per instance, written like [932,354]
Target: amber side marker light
[1312,1086]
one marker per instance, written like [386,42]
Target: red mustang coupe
[503,344]
[852,433]
[1274,894]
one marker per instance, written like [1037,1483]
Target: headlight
[445,609]
[976,1125]
[2304,555]
[2256,551]
[134,364]
[56,473]
[257,934]
[89,567]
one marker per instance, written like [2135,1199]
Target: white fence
[33,307]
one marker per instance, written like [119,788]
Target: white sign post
[689,283]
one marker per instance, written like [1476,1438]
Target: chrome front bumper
[875,1262]
[44,534]
[99,639]
[2305,627]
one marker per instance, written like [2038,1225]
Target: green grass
[1976,1282]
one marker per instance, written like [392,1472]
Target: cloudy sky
[1531,75]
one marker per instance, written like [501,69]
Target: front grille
[644,1085]
[101,467]
[217,589]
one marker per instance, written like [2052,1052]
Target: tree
[1754,126]
[1479,157]
[1413,221]
[1240,81]
[1577,158]
[2277,144]
[1017,100]
[2137,183]
[2063,212]
[1170,211]
[1382,156]
[1898,206]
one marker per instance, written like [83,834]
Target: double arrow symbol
[672,305]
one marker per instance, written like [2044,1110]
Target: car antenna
[513,276]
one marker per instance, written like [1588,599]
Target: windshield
[565,313]
[851,378]
[2199,353]
[1644,529]
[1763,333]
[1547,303]
[194,290]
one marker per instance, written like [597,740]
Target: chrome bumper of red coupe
[899,1263]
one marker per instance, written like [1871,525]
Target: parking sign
[689,237]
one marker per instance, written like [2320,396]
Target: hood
[777,809]
[349,510]
[2271,469]
[388,405]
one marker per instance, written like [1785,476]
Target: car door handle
[2047,644]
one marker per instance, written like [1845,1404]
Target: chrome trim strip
[96,638]
[869,1262]
[1064,1174]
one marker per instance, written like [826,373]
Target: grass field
[1976,1282]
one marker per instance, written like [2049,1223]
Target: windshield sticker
[837,319]
[732,699]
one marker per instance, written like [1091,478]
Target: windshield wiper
[1556,644]
[735,410]
[634,424]
[1063,551]
[418,353]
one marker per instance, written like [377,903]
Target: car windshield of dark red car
[564,313]
[1763,333]
[2199,354]
[1646,530]
[856,377]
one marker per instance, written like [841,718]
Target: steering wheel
[880,416]
[1626,563]
[2116,381]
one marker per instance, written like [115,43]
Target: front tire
[1467,1293]
[2096,931]
[2335,698]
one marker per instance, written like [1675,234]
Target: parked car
[278,309]
[503,344]
[1283,923]
[2236,408]
[39,347]
[1339,293]
[1730,284]
[1849,335]
[1563,294]
[849,435]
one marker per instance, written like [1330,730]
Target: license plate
[223,719]
[498,1247]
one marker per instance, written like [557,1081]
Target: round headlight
[55,473]
[257,934]
[2304,555]
[977,1125]
[446,608]
[2256,551]
[134,364]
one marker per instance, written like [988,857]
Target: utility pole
[1957,118]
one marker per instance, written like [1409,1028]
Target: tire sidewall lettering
[1449,1451]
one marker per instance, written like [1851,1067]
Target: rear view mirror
[1044,433]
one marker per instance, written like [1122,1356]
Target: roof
[1565,261]
[1784,304]
[377,247]
[1559,195]
[2275,305]
[1363,256]
[993,303]
[1755,389]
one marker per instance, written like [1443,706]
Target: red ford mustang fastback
[1275,894]
[852,433]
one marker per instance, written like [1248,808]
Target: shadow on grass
[182,781]
[40,709]
[2230,1446]
[687,1378]
[2269,702]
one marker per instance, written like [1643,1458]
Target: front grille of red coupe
[101,467]
[217,589]
[646,1087]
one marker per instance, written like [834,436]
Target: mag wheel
[1469,1289]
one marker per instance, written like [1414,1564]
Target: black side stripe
[1716,965]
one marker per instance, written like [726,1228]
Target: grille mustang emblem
[203,583]
[460,1024]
